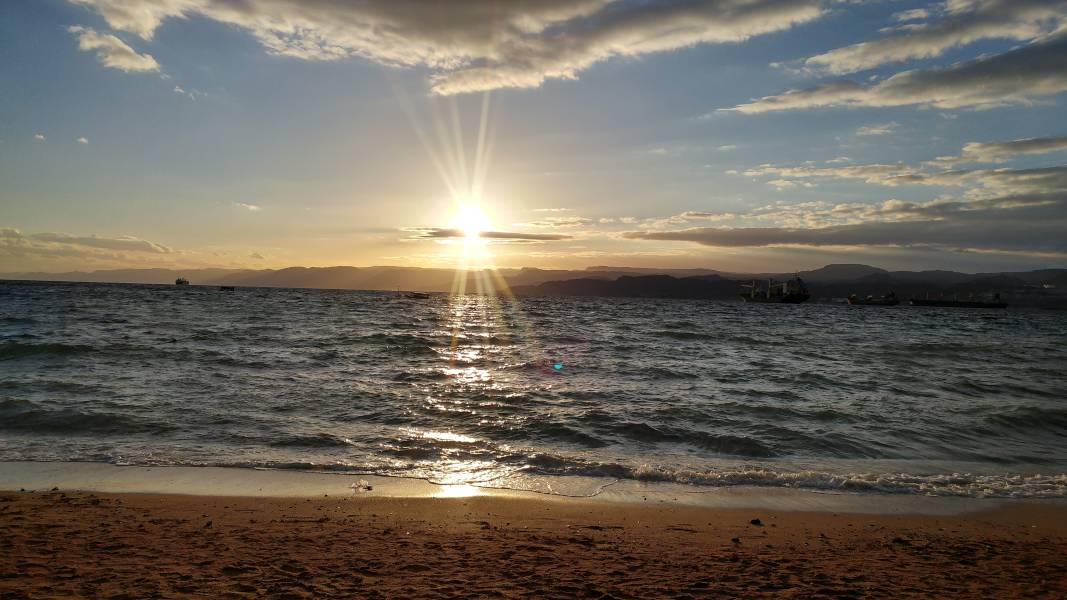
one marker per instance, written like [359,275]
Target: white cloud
[1015,76]
[964,22]
[557,222]
[883,129]
[191,94]
[915,14]
[475,45]
[39,137]
[996,152]
[249,207]
[83,140]
[122,243]
[113,52]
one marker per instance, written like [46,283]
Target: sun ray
[416,124]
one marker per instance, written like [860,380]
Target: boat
[413,295]
[226,288]
[181,281]
[955,302]
[792,291]
[889,299]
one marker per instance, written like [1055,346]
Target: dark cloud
[1038,69]
[438,233]
[1033,226]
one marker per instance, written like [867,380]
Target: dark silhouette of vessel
[889,299]
[792,291]
[181,281]
[413,295]
[996,302]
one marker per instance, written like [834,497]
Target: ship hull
[873,302]
[787,299]
[957,303]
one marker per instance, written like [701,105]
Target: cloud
[1031,227]
[123,243]
[1015,76]
[964,22]
[248,207]
[440,233]
[474,45]
[996,152]
[191,94]
[915,14]
[982,182]
[256,255]
[83,140]
[683,218]
[553,222]
[1000,209]
[120,243]
[883,129]
[39,137]
[113,52]
[552,209]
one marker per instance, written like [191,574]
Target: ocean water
[518,392]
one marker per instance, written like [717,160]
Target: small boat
[417,296]
[181,281]
[777,292]
[954,302]
[889,299]
[226,288]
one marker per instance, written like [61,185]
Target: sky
[740,135]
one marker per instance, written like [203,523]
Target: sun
[471,221]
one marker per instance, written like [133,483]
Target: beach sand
[64,543]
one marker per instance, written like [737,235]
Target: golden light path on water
[480,330]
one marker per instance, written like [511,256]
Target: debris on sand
[361,486]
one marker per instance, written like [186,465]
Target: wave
[314,440]
[1028,418]
[17,320]
[28,417]
[683,335]
[15,350]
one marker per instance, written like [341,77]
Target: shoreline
[237,482]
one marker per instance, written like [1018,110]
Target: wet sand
[65,543]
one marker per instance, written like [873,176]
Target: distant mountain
[1042,287]
[341,277]
[640,286]
[1035,288]
[831,273]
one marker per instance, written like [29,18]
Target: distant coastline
[1044,288]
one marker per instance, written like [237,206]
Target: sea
[526,393]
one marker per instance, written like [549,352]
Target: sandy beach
[90,544]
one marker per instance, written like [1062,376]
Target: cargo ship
[792,291]
[995,302]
